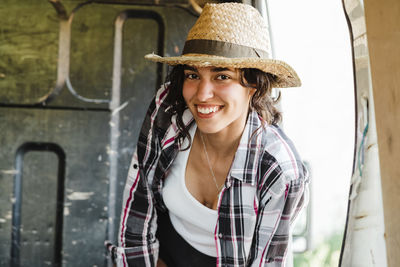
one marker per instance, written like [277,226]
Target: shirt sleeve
[137,243]
[279,207]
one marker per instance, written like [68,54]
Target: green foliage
[325,254]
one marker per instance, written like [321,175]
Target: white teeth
[207,110]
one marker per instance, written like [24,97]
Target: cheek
[187,93]
[241,98]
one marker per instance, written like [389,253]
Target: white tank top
[192,220]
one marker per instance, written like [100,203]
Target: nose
[205,90]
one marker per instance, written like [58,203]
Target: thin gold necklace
[209,164]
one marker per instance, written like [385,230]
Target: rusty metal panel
[80,185]
[37,239]
[74,87]
[28,51]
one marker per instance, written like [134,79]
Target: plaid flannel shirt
[263,193]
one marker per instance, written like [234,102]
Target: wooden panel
[383,30]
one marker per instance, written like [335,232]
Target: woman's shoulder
[161,95]
[161,106]
[158,117]
[279,149]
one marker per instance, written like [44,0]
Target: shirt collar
[173,131]
[187,117]
[245,163]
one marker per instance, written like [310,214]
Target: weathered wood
[383,30]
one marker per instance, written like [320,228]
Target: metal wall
[73,91]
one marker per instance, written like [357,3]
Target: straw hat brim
[286,76]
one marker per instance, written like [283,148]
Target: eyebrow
[215,69]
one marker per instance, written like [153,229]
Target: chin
[208,129]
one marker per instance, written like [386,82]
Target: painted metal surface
[73,91]
[84,221]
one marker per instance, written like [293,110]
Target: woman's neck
[225,142]
[222,144]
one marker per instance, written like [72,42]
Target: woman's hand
[160,263]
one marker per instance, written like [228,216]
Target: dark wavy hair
[261,101]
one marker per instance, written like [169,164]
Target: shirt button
[220,235]
[135,166]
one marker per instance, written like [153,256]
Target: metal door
[73,91]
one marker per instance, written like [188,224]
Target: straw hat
[231,35]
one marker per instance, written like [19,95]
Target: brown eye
[191,76]
[223,77]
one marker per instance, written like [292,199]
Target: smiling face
[217,100]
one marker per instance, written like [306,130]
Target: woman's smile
[216,98]
[207,111]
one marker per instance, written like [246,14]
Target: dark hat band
[223,49]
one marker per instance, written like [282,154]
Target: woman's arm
[137,244]
[278,208]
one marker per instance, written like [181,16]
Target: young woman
[214,180]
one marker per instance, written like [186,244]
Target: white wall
[312,36]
